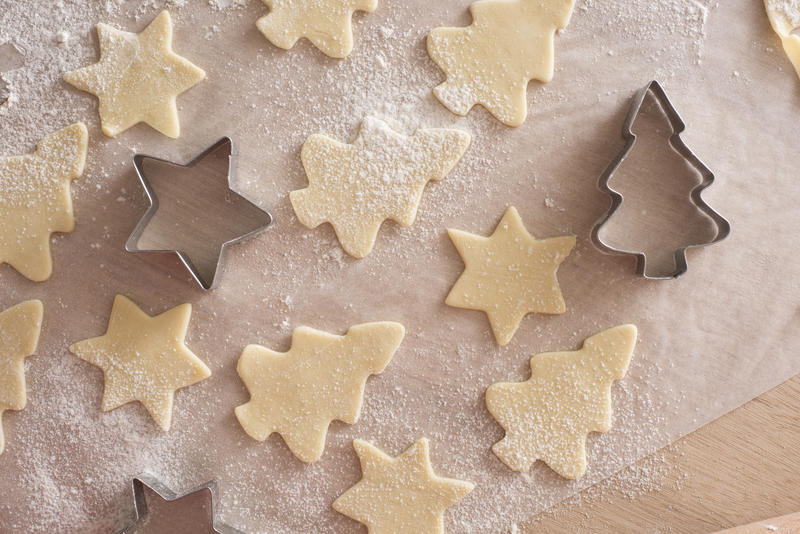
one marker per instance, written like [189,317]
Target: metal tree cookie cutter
[176,524]
[195,228]
[722,226]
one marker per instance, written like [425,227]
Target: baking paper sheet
[709,341]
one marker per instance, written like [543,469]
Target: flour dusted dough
[144,358]
[490,62]
[380,176]
[402,494]
[567,396]
[509,274]
[326,23]
[19,334]
[784,16]
[138,78]
[322,378]
[36,200]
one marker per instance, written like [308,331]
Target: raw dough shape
[491,61]
[298,393]
[326,23]
[138,78]
[567,396]
[509,274]
[784,17]
[400,494]
[19,335]
[144,358]
[380,176]
[35,200]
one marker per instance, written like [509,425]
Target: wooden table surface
[740,469]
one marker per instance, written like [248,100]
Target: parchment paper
[710,340]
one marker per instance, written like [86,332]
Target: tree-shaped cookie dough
[784,17]
[326,23]
[509,274]
[298,393]
[36,200]
[402,494]
[19,334]
[138,78]
[144,358]
[568,395]
[380,176]
[490,62]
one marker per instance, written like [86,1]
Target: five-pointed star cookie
[400,494]
[322,378]
[138,78]
[144,358]
[490,62]
[380,176]
[19,334]
[326,23]
[509,274]
[568,395]
[35,200]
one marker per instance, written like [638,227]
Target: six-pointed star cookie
[380,176]
[400,494]
[326,23]
[509,274]
[490,62]
[35,200]
[568,395]
[144,358]
[322,377]
[19,334]
[138,78]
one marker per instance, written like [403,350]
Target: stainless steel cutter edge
[678,126]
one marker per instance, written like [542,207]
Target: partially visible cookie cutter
[140,502]
[722,225]
[131,245]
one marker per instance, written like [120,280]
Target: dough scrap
[326,23]
[490,62]
[19,335]
[380,176]
[784,17]
[144,358]
[298,393]
[509,274]
[567,396]
[138,78]
[35,200]
[400,494]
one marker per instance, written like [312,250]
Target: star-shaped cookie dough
[322,378]
[490,62]
[568,395]
[35,200]
[138,78]
[380,176]
[326,23]
[509,274]
[19,334]
[144,358]
[400,494]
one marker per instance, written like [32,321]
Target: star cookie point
[320,379]
[509,274]
[20,327]
[144,358]
[138,78]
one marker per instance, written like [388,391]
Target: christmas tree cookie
[298,393]
[567,396]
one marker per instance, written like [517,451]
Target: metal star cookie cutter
[140,502]
[260,219]
[722,225]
